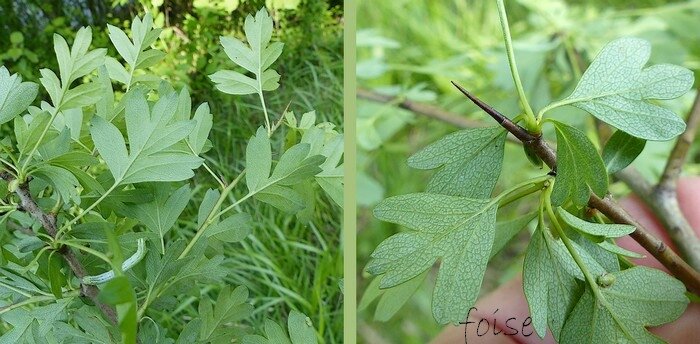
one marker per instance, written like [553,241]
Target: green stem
[212,215]
[22,175]
[86,250]
[520,190]
[530,119]
[84,212]
[10,165]
[28,301]
[267,117]
[569,246]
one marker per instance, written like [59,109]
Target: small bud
[13,185]
[605,280]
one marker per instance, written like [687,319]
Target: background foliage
[412,50]
[269,263]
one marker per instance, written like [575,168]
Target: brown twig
[424,109]
[608,206]
[663,198]
[48,221]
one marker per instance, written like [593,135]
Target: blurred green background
[413,49]
[286,263]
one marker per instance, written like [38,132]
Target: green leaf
[62,180]
[301,330]
[28,133]
[550,289]
[81,96]
[204,122]
[469,160]
[119,293]
[616,88]
[160,215]
[15,95]
[296,165]
[281,197]
[233,229]
[217,319]
[506,230]
[258,160]
[208,204]
[597,229]
[143,36]
[622,311]
[580,169]
[151,132]
[256,58]
[455,230]
[621,150]
[390,299]
[611,247]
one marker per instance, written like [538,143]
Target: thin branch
[425,110]
[676,160]
[663,198]
[48,221]
[608,206]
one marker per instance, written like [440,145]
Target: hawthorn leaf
[301,331]
[258,160]
[29,129]
[116,70]
[197,139]
[621,311]
[256,58]
[15,95]
[232,229]
[143,35]
[616,88]
[119,293]
[580,169]
[329,143]
[597,229]
[281,197]
[62,180]
[390,299]
[296,165]
[613,248]
[457,231]
[550,290]
[160,215]
[77,61]
[208,204]
[506,230]
[621,150]
[469,162]
[230,307]
[82,95]
[150,132]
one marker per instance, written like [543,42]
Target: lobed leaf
[15,95]
[550,289]
[621,311]
[469,162]
[455,230]
[616,88]
[256,58]
[150,132]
